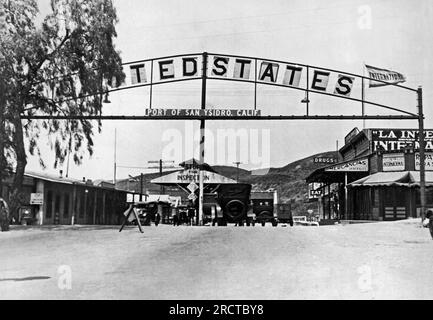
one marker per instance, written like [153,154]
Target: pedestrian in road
[175,220]
[157,218]
[429,215]
[4,215]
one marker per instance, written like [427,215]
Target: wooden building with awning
[332,181]
[379,176]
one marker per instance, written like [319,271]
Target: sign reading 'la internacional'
[399,139]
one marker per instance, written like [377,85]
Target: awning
[388,179]
[336,173]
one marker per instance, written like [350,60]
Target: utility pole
[161,187]
[202,138]
[160,164]
[141,187]
[421,154]
[237,163]
[115,165]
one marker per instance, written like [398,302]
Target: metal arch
[307,90]
[194,117]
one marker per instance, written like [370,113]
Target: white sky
[331,34]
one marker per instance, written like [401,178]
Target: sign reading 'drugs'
[325,160]
[236,68]
[218,113]
[351,166]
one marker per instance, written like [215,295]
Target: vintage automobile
[266,209]
[229,203]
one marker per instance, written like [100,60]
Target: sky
[341,35]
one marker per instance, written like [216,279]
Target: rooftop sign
[399,139]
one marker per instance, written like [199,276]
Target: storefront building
[51,200]
[379,177]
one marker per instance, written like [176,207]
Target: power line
[291,13]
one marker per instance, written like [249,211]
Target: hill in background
[289,181]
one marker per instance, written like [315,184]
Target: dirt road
[387,260]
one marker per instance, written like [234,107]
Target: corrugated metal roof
[52,178]
[70,181]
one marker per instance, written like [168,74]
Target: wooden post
[104,199]
[329,201]
[86,195]
[95,204]
[74,204]
[141,186]
[346,195]
[421,154]
[202,138]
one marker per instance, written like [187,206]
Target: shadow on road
[26,278]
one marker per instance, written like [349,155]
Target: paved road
[388,260]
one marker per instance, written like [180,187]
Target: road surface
[386,260]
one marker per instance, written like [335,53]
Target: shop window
[49,212]
[66,207]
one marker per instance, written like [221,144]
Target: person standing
[157,218]
[429,215]
[4,215]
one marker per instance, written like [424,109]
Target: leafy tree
[60,67]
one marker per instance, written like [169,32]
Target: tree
[62,67]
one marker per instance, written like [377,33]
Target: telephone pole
[421,154]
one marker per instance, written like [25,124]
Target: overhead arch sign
[188,67]
[257,71]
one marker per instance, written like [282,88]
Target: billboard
[399,139]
